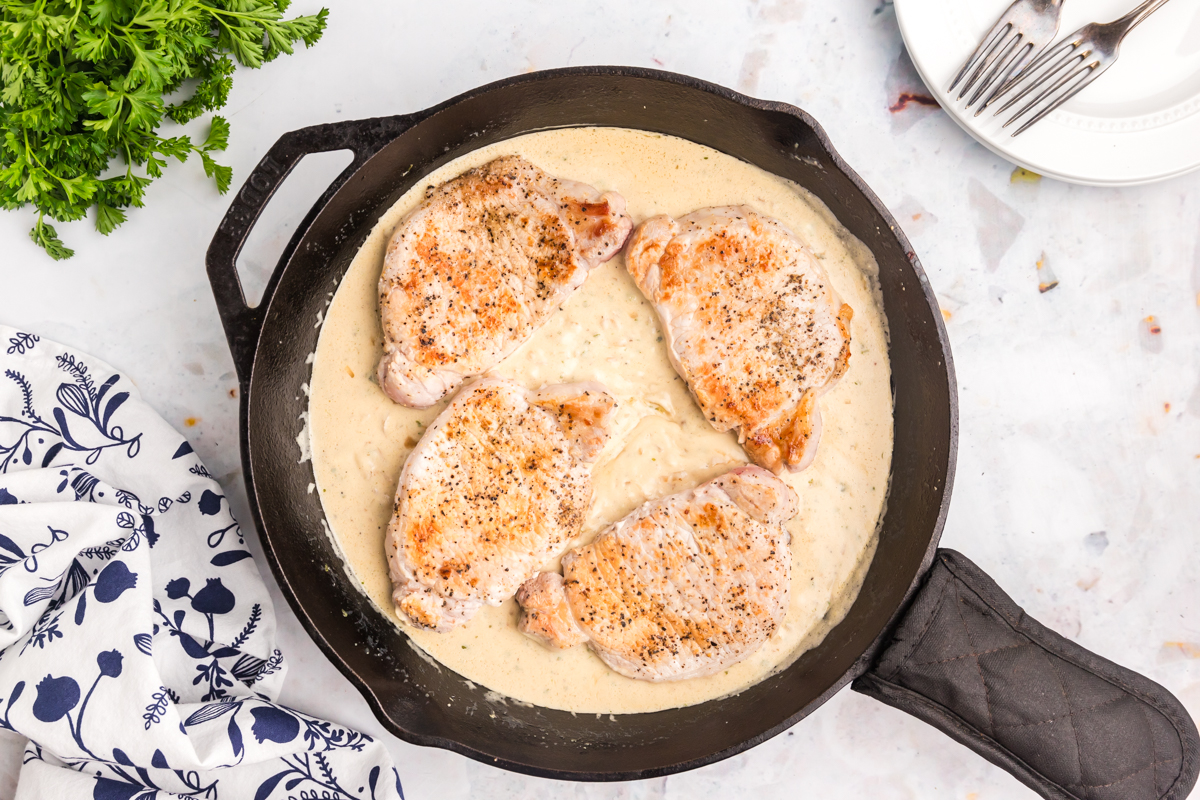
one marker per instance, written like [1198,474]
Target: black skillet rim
[864,660]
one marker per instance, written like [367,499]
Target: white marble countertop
[1078,485]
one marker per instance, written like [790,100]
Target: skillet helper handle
[1067,723]
[243,323]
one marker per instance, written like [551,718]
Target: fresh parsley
[87,82]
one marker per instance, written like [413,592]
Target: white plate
[1138,123]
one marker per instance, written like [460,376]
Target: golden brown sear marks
[495,488]
[479,266]
[546,614]
[681,588]
[751,323]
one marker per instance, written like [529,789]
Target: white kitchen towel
[138,640]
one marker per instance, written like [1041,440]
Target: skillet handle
[1067,723]
[243,323]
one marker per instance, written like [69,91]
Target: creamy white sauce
[608,332]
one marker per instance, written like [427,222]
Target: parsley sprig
[86,84]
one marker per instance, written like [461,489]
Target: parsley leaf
[108,217]
[222,175]
[45,237]
[83,94]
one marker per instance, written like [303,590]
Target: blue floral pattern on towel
[137,648]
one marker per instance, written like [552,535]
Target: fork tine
[995,54]
[1026,61]
[1003,67]
[1026,75]
[1071,73]
[1094,72]
[1049,69]
[1003,53]
[985,46]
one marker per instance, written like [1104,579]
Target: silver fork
[1066,68]
[1020,34]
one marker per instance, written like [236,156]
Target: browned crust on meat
[421,610]
[583,415]
[762,337]
[483,253]
[491,502]
[546,615]
[646,245]
[681,588]
[502,492]
[479,266]
[785,441]
[610,599]
[845,315]
[591,220]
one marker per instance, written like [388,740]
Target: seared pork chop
[751,323]
[497,486]
[479,266]
[683,587]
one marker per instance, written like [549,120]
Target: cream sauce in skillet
[608,332]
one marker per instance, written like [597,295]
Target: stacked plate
[1138,123]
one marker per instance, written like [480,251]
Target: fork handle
[1135,17]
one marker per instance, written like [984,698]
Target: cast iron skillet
[887,641]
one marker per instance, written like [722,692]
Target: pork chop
[479,266]
[683,587]
[751,323]
[498,486]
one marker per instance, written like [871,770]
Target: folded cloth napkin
[138,640]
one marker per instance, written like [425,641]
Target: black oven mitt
[1066,722]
